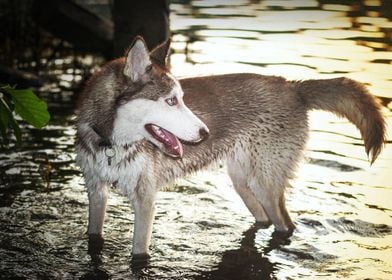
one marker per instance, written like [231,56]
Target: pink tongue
[172,145]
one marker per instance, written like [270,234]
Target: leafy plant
[24,103]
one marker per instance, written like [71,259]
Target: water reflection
[248,261]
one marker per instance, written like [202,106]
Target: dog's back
[238,106]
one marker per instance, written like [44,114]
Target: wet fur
[257,123]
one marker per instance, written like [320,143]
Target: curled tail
[349,99]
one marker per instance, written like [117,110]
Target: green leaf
[27,105]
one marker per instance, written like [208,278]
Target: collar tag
[110,152]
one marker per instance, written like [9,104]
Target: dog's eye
[172,101]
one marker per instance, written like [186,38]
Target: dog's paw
[283,234]
[95,244]
[139,261]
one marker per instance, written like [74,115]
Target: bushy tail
[349,99]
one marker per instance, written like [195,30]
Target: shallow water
[341,205]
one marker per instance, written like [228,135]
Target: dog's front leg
[97,196]
[144,207]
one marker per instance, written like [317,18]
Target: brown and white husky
[139,128]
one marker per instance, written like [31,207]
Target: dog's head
[150,105]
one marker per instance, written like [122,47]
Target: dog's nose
[204,132]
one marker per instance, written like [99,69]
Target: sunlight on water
[336,187]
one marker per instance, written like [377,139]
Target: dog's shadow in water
[247,262]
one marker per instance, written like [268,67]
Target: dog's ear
[137,60]
[160,54]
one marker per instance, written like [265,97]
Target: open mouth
[171,143]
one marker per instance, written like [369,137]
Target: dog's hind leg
[274,205]
[97,196]
[239,179]
[271,167]
[285,213]
[268,181]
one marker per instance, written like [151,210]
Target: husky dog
[139,128]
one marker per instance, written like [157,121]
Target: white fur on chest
[124,169]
